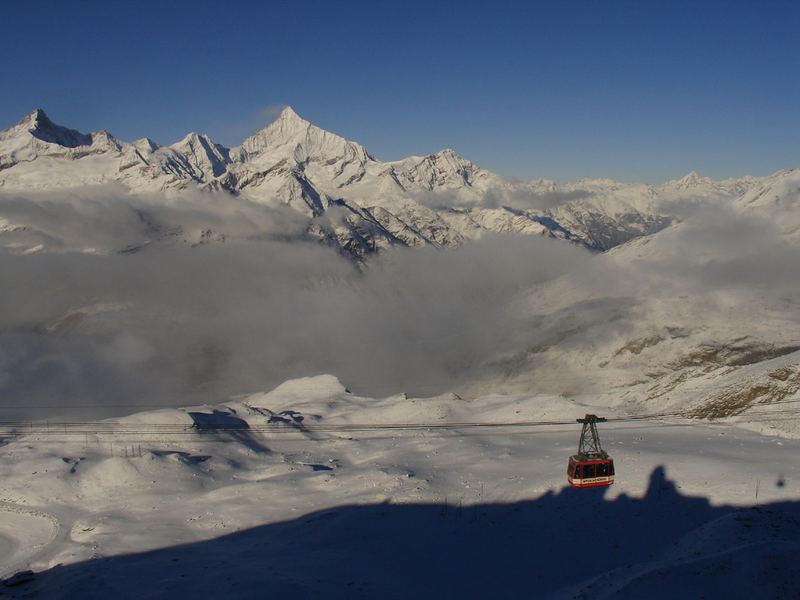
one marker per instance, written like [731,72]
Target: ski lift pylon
[591,466]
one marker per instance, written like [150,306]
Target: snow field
[158,492]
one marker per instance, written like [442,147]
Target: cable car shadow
[224,423]
[570,543]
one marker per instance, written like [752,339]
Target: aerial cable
[23,428]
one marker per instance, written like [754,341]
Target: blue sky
[634,91]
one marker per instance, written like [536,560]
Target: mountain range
[347,197]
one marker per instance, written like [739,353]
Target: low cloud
[168,315]
[538,201]
[717,248]
[516,198]
[164,314]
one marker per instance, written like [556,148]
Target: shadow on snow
[219,422]
[571,544]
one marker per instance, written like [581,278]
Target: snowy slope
[246,496]
[701,315]
[778,197]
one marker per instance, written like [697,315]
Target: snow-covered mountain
[349,198]
[691,306]
[777,196]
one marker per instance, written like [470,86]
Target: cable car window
[611,468]
[602,470]
[577,471]
[588,471]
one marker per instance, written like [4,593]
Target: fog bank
[146,301]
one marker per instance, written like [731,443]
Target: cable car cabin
[591,466]
[583,471]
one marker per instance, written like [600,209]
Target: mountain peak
[190,138]
[287,126]
[450,154]
[692,177]
[30,123]
[37,119]
[288,114]
[691,180]
[39,125]
[288,123]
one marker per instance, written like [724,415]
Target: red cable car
[591,466]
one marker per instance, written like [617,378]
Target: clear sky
[635,91]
